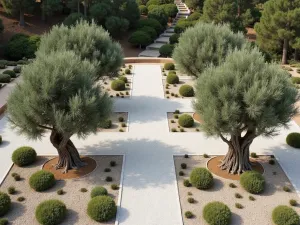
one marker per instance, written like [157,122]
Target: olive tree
[205,44]
[241,99]
[59,94]
[87,40]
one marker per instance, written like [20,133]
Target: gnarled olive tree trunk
[68,155]
[237,158]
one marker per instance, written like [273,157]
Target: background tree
[131,12]
[87,40]
[64,101]
[195,4]
[99,12]
[158,14]
[49,7]
[1,26]
[278,26]
[116,26]
[72,19]
[203,45]
[242,99]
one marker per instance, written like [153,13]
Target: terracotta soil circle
[59,175]
[213,166]
[197,117]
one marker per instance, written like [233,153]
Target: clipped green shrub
[172,78]
[98,191]
[284,215]
[143,10]
[118,85]
[17,69]
[42,180]
[107,124]
[139,38]
[51,212]
[151,7]
[24,156]
[216,213]
[4,78]
[252,182]
[159,14]
[12,63]
[296,80]
[5,203]
[194,16]
[153,2]
[127,71]
[102,208]
[72,19]
[293,139]
[123,78]
[201,178]
[166,50]
[3,221]
[170,9]
[151,23]
[186,90]
[11,73]
[182,25]
[150,31]
[186,120]
[169,66]
[174,39]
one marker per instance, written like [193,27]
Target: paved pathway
[149,185]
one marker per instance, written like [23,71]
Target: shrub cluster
[98,191]
[252,182]
[293,139]
[174,39]
[139,38]
[172,78]
[201,178]
[150,31]
[186,90]
[151,23]
[216,213]
[284,215]
[24,156]
[5,203]
[11,73]
[42,180]
[102,208]
[118,85]
[51,212]
[186,120]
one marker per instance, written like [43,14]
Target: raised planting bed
[175,125]
[125,92]
[173,90]
[117,123]
[166,70]
[246,208]
[74,193]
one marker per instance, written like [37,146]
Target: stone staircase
[152,50]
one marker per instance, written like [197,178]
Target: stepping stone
[149,53]
[154,46]
[164,40]
[166,34]
[170,30]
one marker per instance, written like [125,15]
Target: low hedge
[284,215]
[118,85]
[5,203]
[24,156]
[42,180]
[98,191]
[102,208]
[293,139]
[201,178]
[169,66]
[252,182]
[11,73]
[172,78]
[217,213]
[186,120]
[51,212]
[186,90]
[4,78]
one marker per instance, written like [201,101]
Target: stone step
[154,46]
[170,30]
[166,34]
[164,40]
[149,53]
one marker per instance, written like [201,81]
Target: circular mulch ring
[59,175]
[213,166]
[197,117]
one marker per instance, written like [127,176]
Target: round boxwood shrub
[174,38]
[102,208]
[123,78]
[118,85]
[296,80]
[98,191]
[284,215]
[216,213]
[72,19]
[127,71]
[169,66]
[4,78]
[293,139]
[186,120]
[51,212]
[166,50]
[186,90]
[5,203]
[139,38]
[172,78]
[201,178]
[143,9]
[151,23]
[17,69]
[252,182]
[24,156]
[150,31]
[11,73]
[41,180]
[159,14]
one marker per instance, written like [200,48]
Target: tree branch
[45,127]
[224,139]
